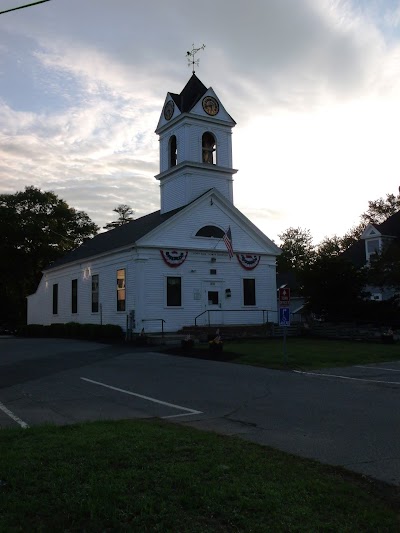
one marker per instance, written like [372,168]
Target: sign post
[284,315]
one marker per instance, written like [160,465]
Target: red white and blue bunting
[174,258]
[248,262]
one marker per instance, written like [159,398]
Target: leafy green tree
[297,250]
[37,228]
[125,214]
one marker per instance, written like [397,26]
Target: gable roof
[130,233]
[227,206]
[190,95]
[117,238]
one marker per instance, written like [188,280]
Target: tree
[330,247]
[125,214]
[37,228]
[384,267]
[333,287]
[381,209]
[297,250]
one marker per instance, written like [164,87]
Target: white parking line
[154,400]
[377,368]
[23,424]
[346,377]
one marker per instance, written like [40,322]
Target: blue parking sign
[284,316]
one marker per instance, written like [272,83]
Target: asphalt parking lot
[343,416]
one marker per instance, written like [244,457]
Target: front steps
[203,333]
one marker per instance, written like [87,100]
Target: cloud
[83,86]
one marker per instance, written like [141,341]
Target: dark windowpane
[95,293]
[55,298]
[173,154]
[213,297]
[174,296]
[249,291]
[209,147]
[74,296]
[121,290]
[373,246]
[210,231]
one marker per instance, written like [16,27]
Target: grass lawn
[308,353]
[156,476]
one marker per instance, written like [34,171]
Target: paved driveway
[347,416]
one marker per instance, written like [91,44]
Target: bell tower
[195,134]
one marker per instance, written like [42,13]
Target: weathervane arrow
[190,56]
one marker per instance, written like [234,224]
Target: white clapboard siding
[208,211]
[194,272]
[40,304]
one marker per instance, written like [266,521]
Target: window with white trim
[174,291]
[372,246]
[173,151]
[55,299]
[74,296]
[249,291]
[95,293]
[121,297]
[209,147]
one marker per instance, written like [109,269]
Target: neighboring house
[174,265]
[373,240]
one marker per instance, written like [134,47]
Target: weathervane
[190,56]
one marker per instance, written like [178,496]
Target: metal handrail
[233,310]
[154,319]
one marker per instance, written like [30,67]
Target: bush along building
[198,260]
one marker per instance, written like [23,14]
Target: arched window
[210,231]
[209,148]
[173,151]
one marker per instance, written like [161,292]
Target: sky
[313,85]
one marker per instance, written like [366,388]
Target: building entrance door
[212,302]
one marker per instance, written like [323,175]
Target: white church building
[174,267]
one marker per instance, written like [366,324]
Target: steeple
[195,134]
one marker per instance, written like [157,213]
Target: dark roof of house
[124,235]
[190,95]
[389,228]
[356,253]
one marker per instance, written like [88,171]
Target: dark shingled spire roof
[123,236]
[190,95]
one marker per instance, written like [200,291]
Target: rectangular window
[121,290]
[174,292]
[249,291]
[213,297]
[372,246]
[55,298]
[74,296]
[95,293]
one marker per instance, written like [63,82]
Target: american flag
[228,242]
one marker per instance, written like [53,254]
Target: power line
[22,7]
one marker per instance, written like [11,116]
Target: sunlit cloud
[314,88]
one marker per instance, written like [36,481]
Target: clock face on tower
[210,105]
[169,110]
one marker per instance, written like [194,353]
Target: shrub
[74,330]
